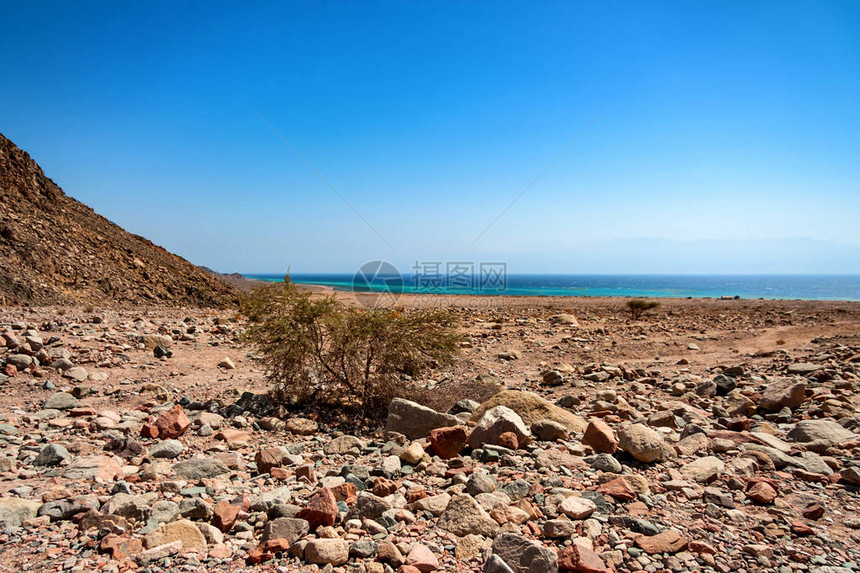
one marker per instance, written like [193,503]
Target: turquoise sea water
[806,287]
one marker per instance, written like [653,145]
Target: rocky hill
[54,249]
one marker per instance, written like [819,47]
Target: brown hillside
[54,249]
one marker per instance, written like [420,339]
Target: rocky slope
[54,249]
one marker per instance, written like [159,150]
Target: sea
[776,287]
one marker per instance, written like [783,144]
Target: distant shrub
[780,342]
[318,350]
[638,307]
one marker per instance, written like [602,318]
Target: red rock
[11,370]
[415,493]
[580,559]
[814,511]
[149,431]
[120,546]
[762,492]
[600,437]
[619,488]
[172,423]
[740,424]
[669,541]
[508,440]
[256,556]
[448,442]
[232,436]
[302,426]
[220,551]
[279,473]
[271,457]
[81,412]
[278,545]
[801,529]
[307,473]
[345,492]
[701,547]
[225,515]
[320,510]
[422,558]
[383,487]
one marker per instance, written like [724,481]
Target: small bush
[638,307]
[320,351]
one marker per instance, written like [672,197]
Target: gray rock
[641,442]
[464,406]
[19,361]
[725,384]
[464,516]
[363,549]
[606,463]
[368,506]
[14,512]
[494,423]
[524,555]
[60,401]
[787,392]
[825,433]
[290,528]
[480,482]
[414,420]
[76,373]
[52,455]
[129,506]
[268,500]
[344,444]
[496,564]
[803,368]
[549,431]
[64,509]
[200,468]
[168,449]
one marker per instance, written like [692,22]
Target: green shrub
[638,307]
[320,351]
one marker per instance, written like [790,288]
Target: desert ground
[709,435]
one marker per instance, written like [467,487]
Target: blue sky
[728,129]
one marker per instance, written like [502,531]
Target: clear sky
[726,128]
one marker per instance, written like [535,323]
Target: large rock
[495,422]
[580,558]
[60,401]
[290,528]
[448,442]
[200,468]
[531,408]
[600,437]
[172,423]
[320,510]
[327,551]
[788,392]
[641,442]
[464,516]
[523,555]
[704,470]
[99,468]
[414,420]
[52,455]
[822,432]
[182,530]
[14,511]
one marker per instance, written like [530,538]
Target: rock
[508,440]
[76,373]
[618,488]
[224,515]
[826,432]
[704,470]
[496,421]
[552,378]
[60,401]
[368,506]
[531,408]
[20,361]
[480,482]
[641,442]
[692,444]
[725,384]
[600,437]
[159,552]
[464,407]
[577,507]
[272,457]
[850,475]
[762,493]
[327,551]
[52,455]
[556,528]
[233,437]
[290,528]
[564,319]
[496,564]
[227,364]
[549,431]
[464,515]
[168,449]
[302,426]
[523,555]
[422,558]
[99,468]
[580,559]
[321,509]
[448,442]
[510,354]
[14,512]
[199,468]
[803,368]
[669,541]
[414,420]
[606,463]
[172,423]
[785,393]
[183,530]
[413,454]
[343,445]
[736,404]
[120,547]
